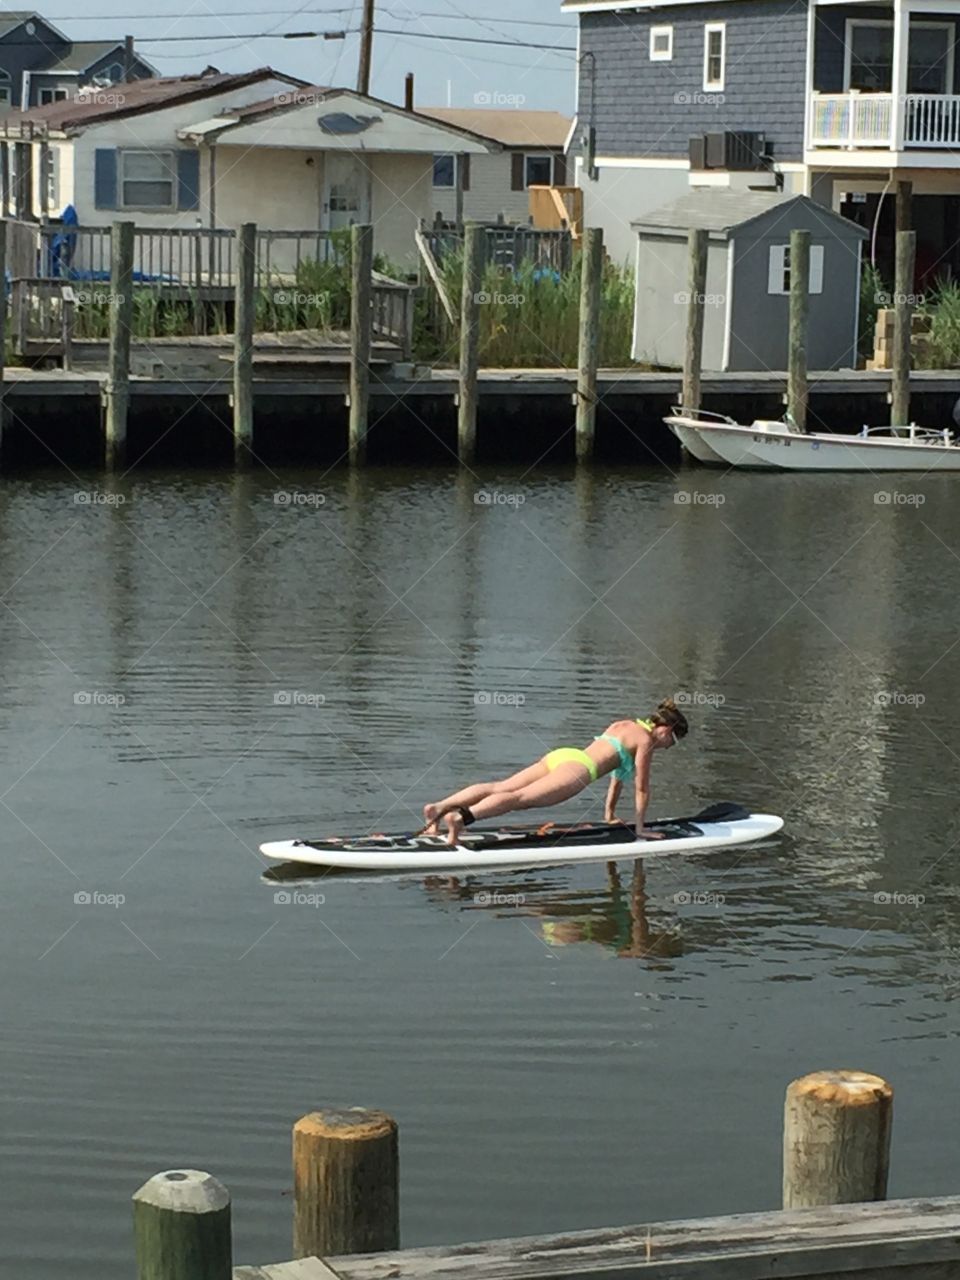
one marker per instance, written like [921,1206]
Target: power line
[512,44]
[252,13]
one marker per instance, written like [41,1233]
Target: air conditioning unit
[698,152]
[738,150]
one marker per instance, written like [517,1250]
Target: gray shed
[746,311]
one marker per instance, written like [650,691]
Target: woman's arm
[643,793]
[613,795]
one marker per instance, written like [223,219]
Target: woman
[624,750]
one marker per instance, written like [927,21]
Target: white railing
[932,120]
[852,120]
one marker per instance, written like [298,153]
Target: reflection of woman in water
[624,750]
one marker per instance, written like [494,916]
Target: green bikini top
[628,765]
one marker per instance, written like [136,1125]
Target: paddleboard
[550,844]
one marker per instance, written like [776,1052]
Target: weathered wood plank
[299,1269]
[915,1239]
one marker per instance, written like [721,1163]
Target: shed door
[346,190]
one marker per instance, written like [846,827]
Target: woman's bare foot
[454,821]
[431,816]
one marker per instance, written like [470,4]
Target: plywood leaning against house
[747,294]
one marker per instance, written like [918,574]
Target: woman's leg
[469,796]
[550,788]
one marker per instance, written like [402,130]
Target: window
[714,54]
[49,180]
[147,180]
[110,75]
[778,271]
[661,44]
[869,57]
[538,171]
[6,93]
[445,171]
[52,95]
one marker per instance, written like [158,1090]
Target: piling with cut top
[696,289]
[117,389]
[361,322]
[797,392]
[345,1183]
[836,1139]
[470,299]
[243,344]
[906,257]
[588,354]
[181,1225]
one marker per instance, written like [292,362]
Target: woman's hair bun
[667,704]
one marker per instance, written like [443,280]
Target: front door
[345,190]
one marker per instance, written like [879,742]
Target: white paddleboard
[485,849]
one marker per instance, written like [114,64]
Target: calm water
[605,1052]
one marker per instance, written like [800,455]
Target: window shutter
[188,179]
[816,269]
[778,253]
[465,171]
[559,170]
[105,178]
[517,171]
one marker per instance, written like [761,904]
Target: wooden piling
[588,354]
[904,206]
[797,392]
[361,320]
[181,1225]
[836,1139]
[696,289]
[903,301]
[470,302]
[244,308]
[345,1183]
[117,389]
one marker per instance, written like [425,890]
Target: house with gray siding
[40,65]
[839,100]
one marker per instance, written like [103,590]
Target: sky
[186,35]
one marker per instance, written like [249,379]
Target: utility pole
[366,47]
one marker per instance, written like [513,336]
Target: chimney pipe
[408,92]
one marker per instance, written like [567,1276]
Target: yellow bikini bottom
[571,755]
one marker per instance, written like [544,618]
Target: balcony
[857,120]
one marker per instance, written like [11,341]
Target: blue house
[40,65]
[835,99]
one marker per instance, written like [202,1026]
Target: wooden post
[591,282]
[361,319]
[903,310]
[836,1139]
[243,344]
[470,302]
[181,1224]
[697,287]
[117,390]
[797,342]
[345,1183]
[68,317]
[904,206]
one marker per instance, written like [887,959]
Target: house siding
[20,52]
[645,108]
[490,194]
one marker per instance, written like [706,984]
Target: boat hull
[695,444]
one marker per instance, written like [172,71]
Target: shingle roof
[708,209]
[511,127]
[12,19]
[83,53]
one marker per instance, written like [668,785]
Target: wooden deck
[892,1240]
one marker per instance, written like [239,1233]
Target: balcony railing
[854,120]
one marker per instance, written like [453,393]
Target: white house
[217,150]
[533,154]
